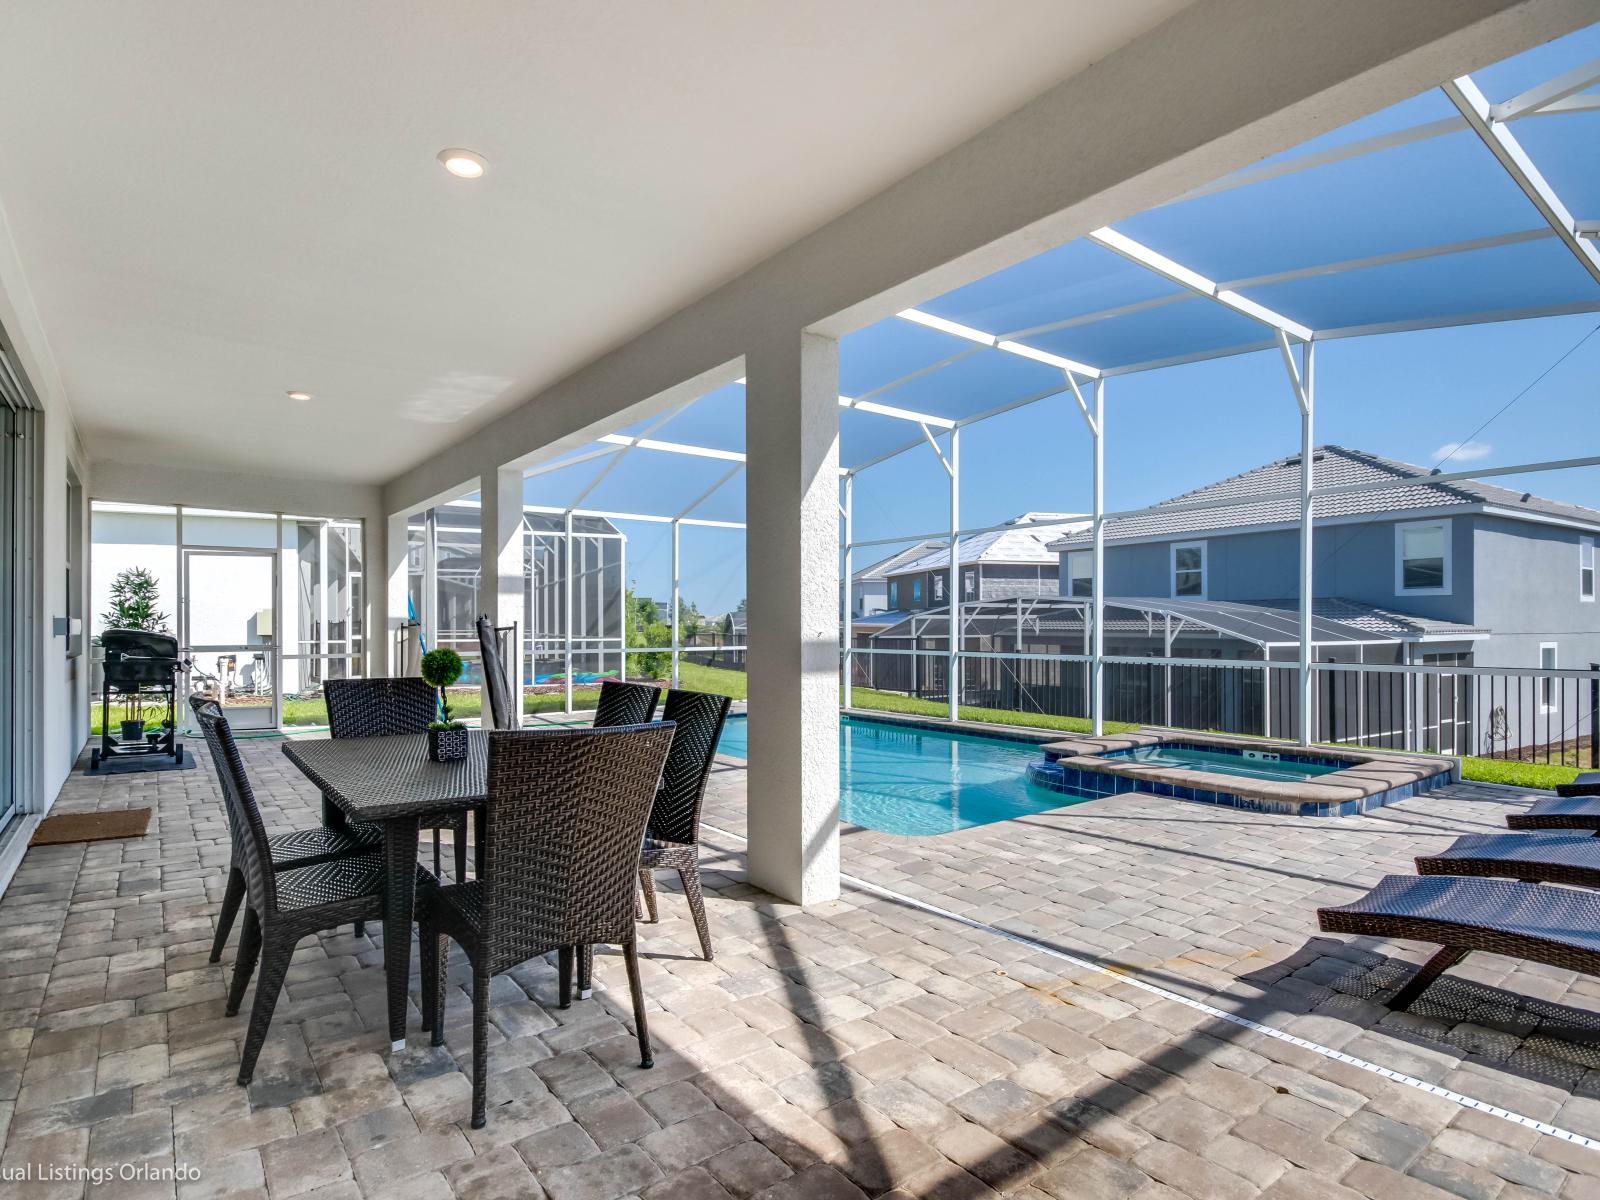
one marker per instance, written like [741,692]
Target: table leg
[399,902]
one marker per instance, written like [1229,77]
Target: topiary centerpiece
[447,739]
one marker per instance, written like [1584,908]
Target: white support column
[677,640]
[792,546]
[397,583]
[846,629]
[566,612]
[428,606]
[1097,571]
[1307,680]
[500,544]
[953,586]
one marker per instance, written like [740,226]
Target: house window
[938,589]
[1547,683]
[894,595]
[1586,568]
[1189,569]
[1080,573]
[1422,558]
[916,592]
[969,584]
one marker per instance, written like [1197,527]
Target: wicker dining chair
[566,811]
[625,703]
[502,701]
[672,837]
[384,707]
[281,906]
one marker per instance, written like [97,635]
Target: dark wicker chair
[384,707]
[281,907]
[625,704]
[672,838]
[1570,857]
[502,703]
[1558,926]
[566,811]
[1559,812]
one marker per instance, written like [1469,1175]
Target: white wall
[55,726]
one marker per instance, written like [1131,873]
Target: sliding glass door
[13,480]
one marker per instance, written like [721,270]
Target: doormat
[91,827]
[135,764]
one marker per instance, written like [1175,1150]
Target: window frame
[894,595]
[1586,550]
[1548,691]
[1172,571]
[1072,577]
[916,592]
[1448,574]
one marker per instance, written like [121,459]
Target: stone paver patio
[866,1046]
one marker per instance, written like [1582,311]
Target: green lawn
[895,703]
[1518,774]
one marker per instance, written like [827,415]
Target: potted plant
[447,739]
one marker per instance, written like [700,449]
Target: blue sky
[1412,396]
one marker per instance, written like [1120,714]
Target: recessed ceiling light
[300,395]
[463,164]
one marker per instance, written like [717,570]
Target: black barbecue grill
[141,669]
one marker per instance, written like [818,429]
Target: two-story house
[1514,568]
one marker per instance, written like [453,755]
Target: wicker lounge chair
[566,813]
[625,704]
[383,707]
[282,906]
[1571,858]
[1586,784]
[1553,925]
[1559,812]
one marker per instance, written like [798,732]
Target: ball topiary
[440,669]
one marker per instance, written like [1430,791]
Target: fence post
[1594,717]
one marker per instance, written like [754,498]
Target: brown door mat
[91,827]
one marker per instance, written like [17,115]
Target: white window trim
[1073,556]
[1587,543]
[1399,558]
[1548,689]
[1172,570]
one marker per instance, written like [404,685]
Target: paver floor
[864,1046]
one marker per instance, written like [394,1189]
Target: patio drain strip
[1127,975]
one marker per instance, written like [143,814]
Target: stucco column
[792,563]
[388,658]
[500,548]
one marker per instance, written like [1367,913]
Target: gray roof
[893,564]
[1334,619]
[1335,466]
[1007,545]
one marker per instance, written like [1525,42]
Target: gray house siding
[1528,594]
[1355,561]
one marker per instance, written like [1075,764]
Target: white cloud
[1462,451]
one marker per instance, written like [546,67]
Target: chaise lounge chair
[1565,811]
[1586,784]
[1552,925]
[1567,857]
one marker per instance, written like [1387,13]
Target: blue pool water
[1223,762]
[917,782]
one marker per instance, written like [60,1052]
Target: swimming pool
[1221,762]
[916,782]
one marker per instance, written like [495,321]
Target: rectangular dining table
[390,781]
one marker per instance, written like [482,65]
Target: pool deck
[1371,780]
[922,1036]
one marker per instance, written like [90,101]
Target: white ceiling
[215,203]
